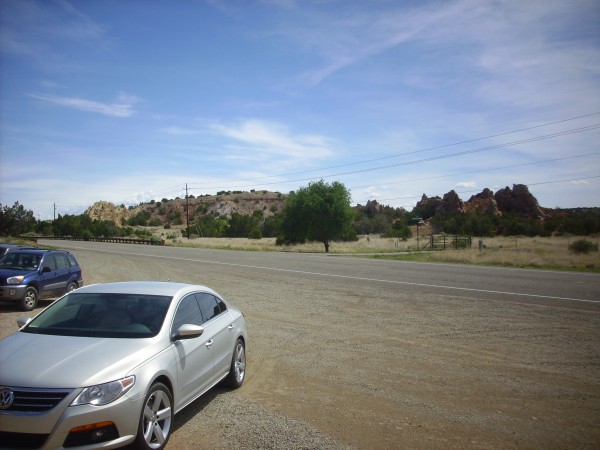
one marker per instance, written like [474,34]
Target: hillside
[174,211]
[516,200]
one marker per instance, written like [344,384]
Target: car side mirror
[188,331]
[46,269]
[23,321]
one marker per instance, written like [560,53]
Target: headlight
[102,394]
[15,280]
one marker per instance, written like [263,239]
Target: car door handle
[209,343]
[231,327]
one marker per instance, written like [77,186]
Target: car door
[62,274]
[48,283]
[219,325]
[194,356]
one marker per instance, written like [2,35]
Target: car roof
[144,287]
[18,247]
[37,251]
[32,251]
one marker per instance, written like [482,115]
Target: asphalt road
[351,352]
[564,289]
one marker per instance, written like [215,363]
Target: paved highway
[552,288]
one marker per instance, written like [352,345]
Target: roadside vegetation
[319,217]
[514,251]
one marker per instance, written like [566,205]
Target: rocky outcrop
[372,208]
[451,202]
[108,211]
[428,206]
[483,202]
[174,211]
[519,200]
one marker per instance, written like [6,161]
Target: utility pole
[187,211]
[54,211]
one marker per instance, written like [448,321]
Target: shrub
[583,246]
[255,234]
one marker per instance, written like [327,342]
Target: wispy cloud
[123,107]
[176,130]
[35,30]
[343,40]
[500,53]
[274,139]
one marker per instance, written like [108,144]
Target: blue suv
[29,275]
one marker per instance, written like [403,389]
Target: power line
[433,158]
[512,166]
[416,151]
[181,188]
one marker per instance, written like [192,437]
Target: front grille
[36,400]
[22,440]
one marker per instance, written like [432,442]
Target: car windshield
[102,315]
[20,261]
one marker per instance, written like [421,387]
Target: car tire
[30,299]
[156,419]
[72,286]
[237,371]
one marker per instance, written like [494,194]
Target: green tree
[271,226]
[241,225]
[210,225]
[320,212]
[15,220]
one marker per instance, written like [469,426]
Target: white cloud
[269,138]
[123,107]
[465,185]
[179,131]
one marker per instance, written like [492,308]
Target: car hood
[47,361]
[6,273]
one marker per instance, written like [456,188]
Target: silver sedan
[109,365]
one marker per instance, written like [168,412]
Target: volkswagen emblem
[7,397]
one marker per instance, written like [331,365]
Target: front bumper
[12,292]
[107,426]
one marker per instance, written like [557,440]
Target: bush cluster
[583,246]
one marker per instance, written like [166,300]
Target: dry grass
[526,252]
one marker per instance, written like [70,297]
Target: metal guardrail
[118,240]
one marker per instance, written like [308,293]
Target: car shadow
[197,406]
[194,408]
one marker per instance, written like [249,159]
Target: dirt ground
[335,364]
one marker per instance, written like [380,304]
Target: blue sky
[128,101]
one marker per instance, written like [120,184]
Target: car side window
[61,262]
[71,259]
[208,305]
[222,305]
[49,262]
[187,312]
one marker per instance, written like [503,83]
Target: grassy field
[525,252]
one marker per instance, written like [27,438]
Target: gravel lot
[341,364]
